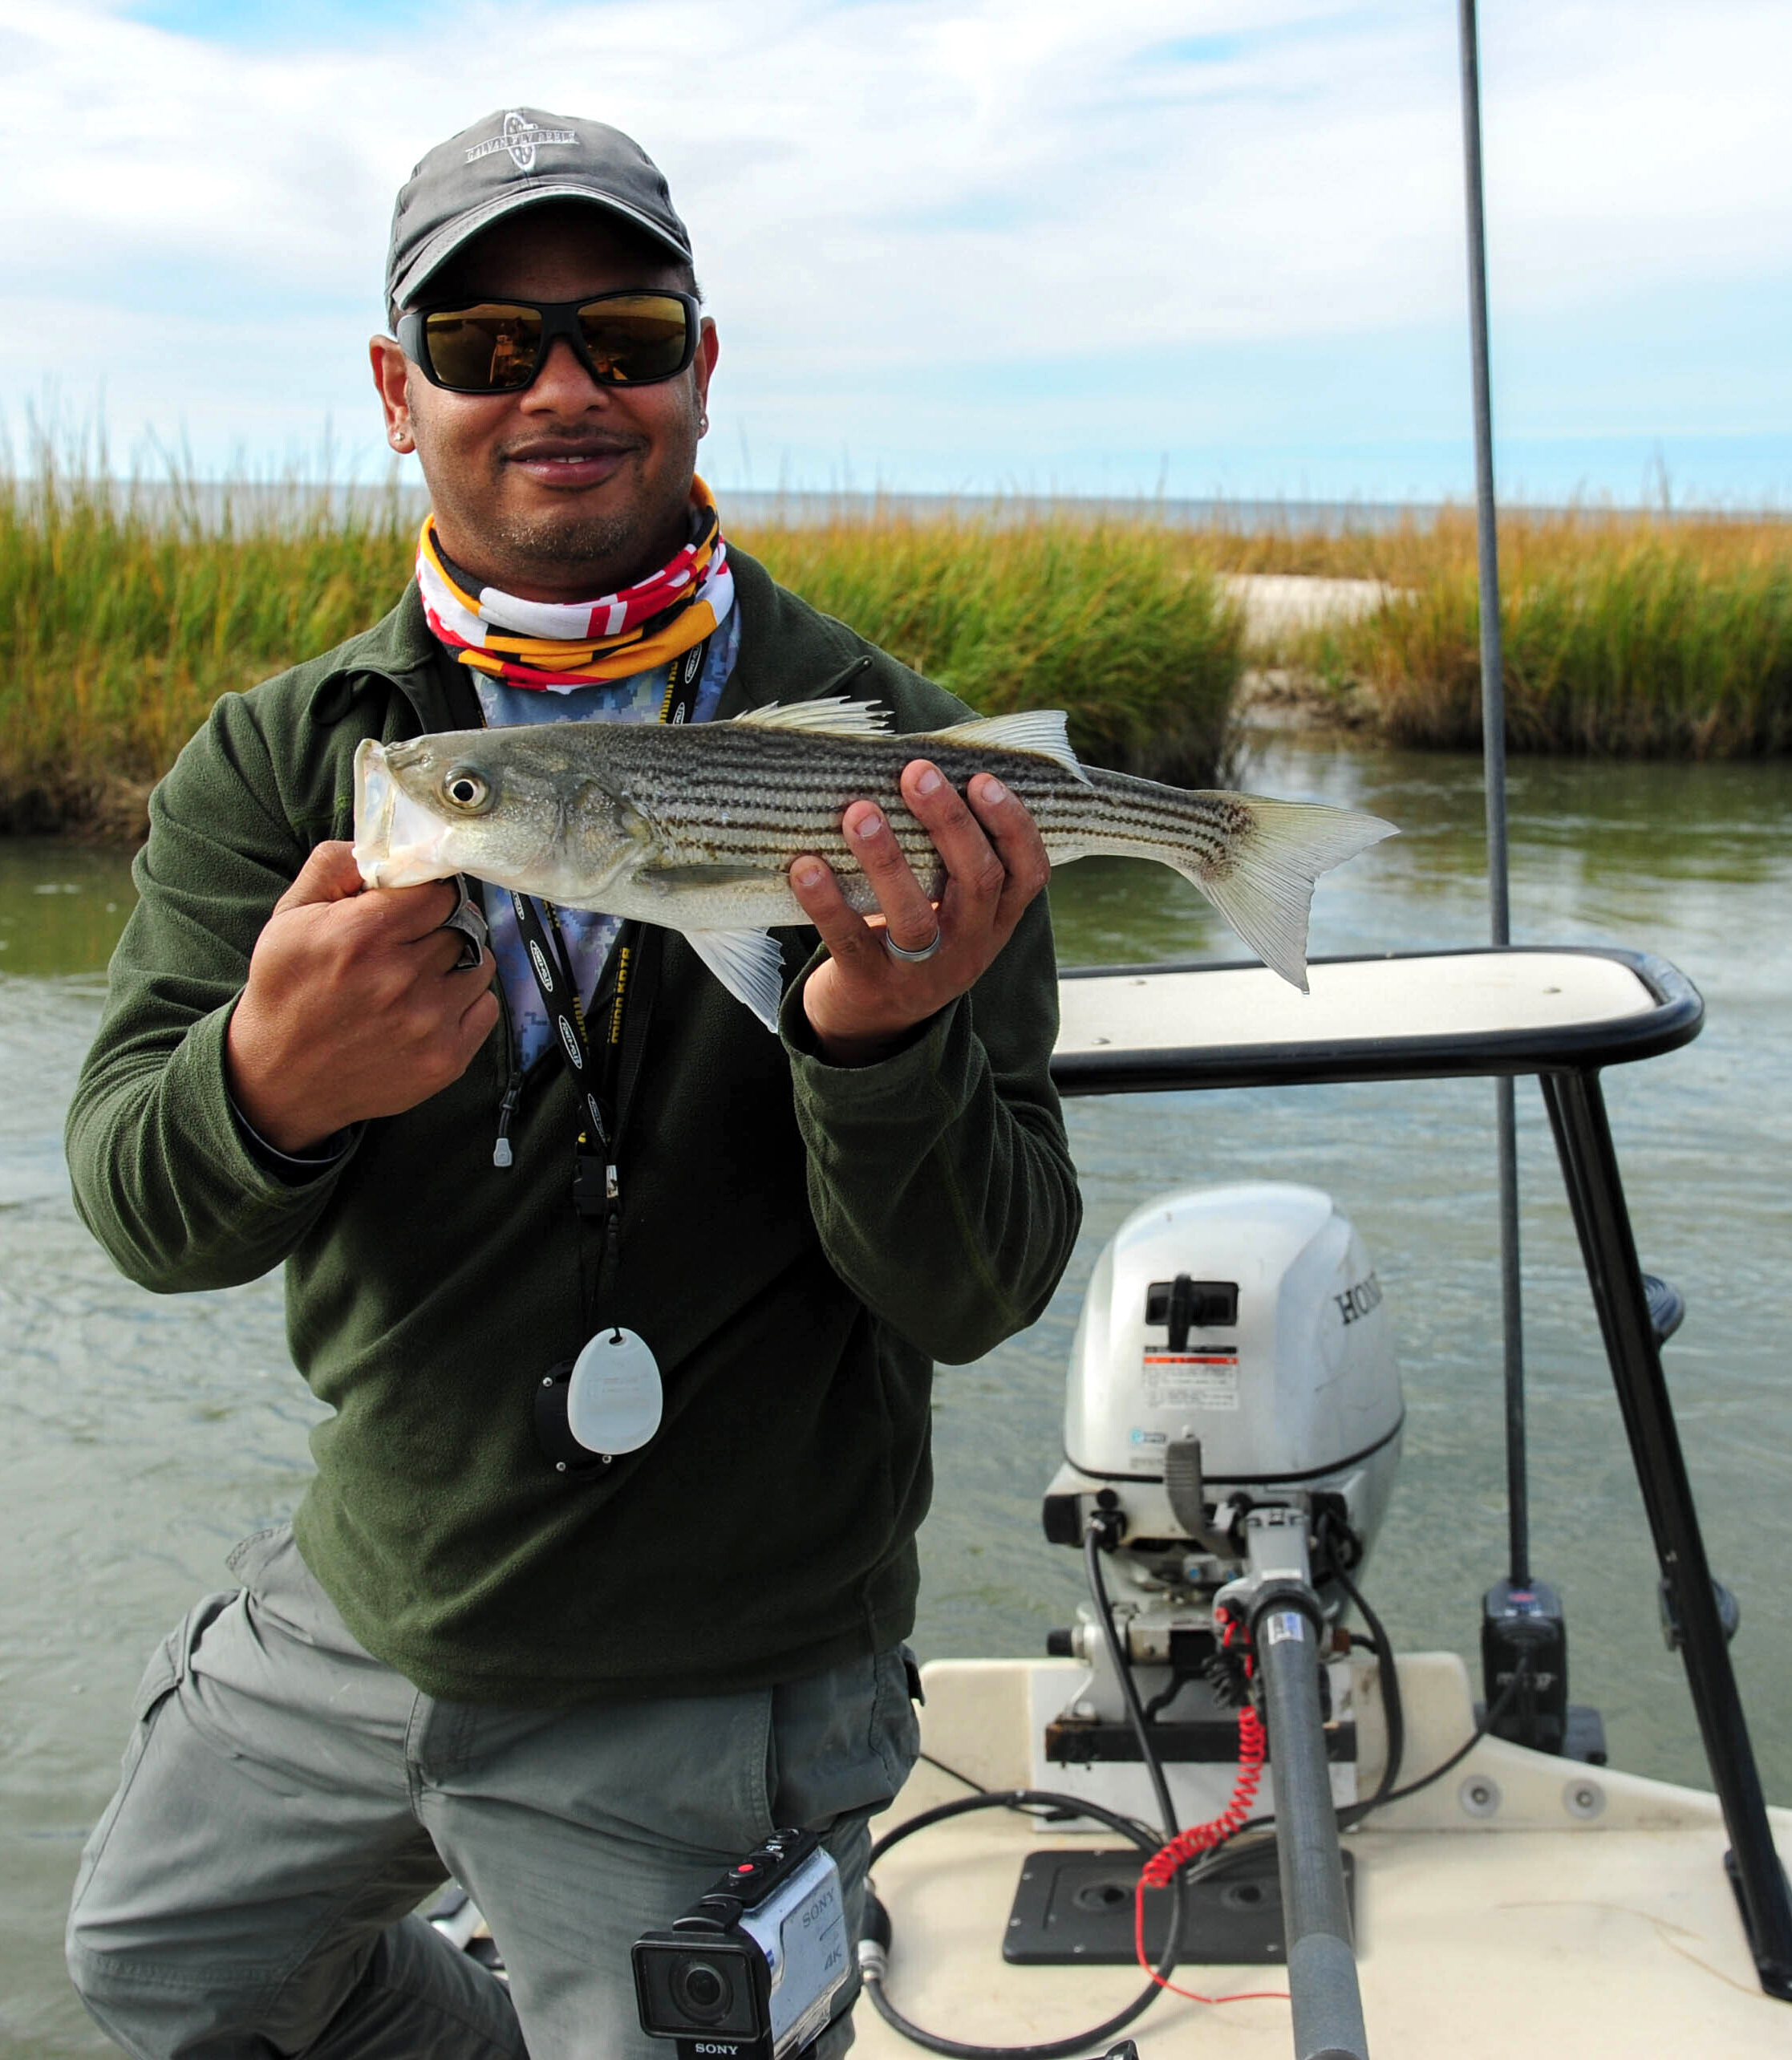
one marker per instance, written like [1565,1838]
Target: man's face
[567,490]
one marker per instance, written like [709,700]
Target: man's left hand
[863,1001]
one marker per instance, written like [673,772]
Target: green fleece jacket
[797,1241]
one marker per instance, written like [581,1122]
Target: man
[582,1683]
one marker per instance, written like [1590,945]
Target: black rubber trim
[1676,1019]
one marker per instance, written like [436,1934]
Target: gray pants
[287,1800]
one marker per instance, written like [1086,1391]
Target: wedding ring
[913,958]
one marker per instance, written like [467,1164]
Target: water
[299,503]
[147,1434]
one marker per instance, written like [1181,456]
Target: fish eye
[466,789]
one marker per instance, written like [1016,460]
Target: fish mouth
[398,843]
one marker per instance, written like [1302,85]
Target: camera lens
[702,1990]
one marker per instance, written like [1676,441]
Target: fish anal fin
[834,717]
[1041,732]
[748,964]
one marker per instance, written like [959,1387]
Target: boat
[1322,1842]
[1511,1890]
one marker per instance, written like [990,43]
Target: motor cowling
[1247,1316]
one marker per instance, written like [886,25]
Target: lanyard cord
[597,1080]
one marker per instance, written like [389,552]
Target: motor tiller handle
[1286,1620]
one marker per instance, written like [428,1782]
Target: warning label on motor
[1191,1380]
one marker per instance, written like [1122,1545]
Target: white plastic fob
[614,1399]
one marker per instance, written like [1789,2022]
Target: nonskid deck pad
[1073,1907]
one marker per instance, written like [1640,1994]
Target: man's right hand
[353,1007]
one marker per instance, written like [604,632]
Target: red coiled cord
[1161,1870]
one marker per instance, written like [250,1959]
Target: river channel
[144,1435]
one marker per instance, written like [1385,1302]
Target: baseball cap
[514,159]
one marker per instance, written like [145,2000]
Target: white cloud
[891,200]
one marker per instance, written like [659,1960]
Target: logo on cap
[522,139]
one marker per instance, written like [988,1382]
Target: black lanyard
[596,1189]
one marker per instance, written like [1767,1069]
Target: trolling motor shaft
[1277,1600]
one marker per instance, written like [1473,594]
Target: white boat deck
[1533,1931]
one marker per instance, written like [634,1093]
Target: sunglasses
[630,339]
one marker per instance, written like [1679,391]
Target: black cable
[1011,1798]
[1210,1862]
[1495,1710]
[1129,1688]
[977,1787]
[1060,2049]
[1214,1861]
[1388,1672]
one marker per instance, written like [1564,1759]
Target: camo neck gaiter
[562,645]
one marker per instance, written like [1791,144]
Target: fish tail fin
[1263,886]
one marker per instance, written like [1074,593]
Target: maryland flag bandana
[562,645]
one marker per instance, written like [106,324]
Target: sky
[1023,246]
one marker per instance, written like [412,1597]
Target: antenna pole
[1493,746]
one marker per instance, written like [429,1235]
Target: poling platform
[1430,1016]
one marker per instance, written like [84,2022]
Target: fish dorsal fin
[748,964]
[835,717]
[1039,731]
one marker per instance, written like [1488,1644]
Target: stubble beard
[580,551]
[591,552]
[578,546]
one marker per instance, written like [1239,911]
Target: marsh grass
[124,616]
[1118,623]
[1627,636]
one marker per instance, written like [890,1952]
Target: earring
[401,439]
[702,424]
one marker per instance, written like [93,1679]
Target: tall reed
[124,616]
[1117,623]
[1622,635]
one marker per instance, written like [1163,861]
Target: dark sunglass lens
[487,349]
[635,338]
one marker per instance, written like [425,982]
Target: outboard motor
[1233,1353]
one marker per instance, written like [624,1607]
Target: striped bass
[695,828]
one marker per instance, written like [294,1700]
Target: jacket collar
[401,651]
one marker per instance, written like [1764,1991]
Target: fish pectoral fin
[835,717]
[748,964]
[1041,731]
[691,879]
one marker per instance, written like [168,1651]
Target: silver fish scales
[695,828]
[774,796]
